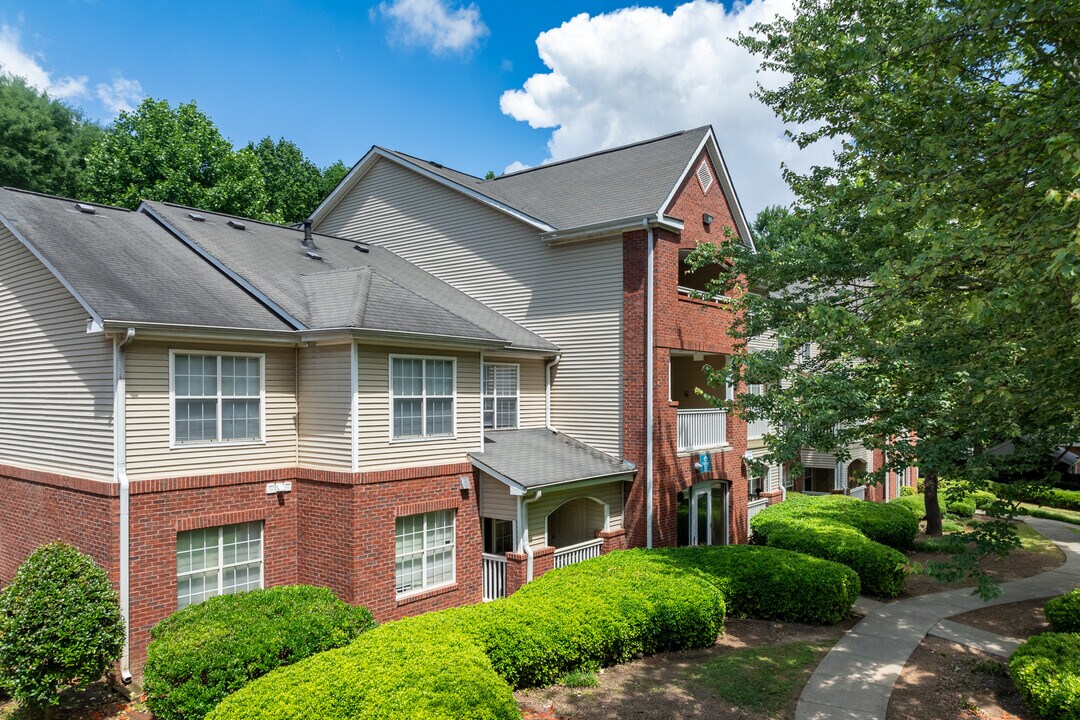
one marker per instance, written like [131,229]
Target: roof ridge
[362,293]
[50,196]
[595,153]
[436,163]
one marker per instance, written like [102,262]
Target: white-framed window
[216,397]
[758,482]
[422,396]
[501,396]
[424,551]
[760,427]
[786,476]
[218,561]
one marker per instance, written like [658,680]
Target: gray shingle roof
[129,269]
[374,290]
[539,457]
[623,182]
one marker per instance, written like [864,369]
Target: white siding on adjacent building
[377,451]
[571,295]
[609,493]
[149,454]
[496,500]
[325,408]
[56,400]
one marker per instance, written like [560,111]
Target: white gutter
[120,470]
[523,521]
[649,390]
[547,392]
[610,227]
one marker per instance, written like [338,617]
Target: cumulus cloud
[121,95]
[19,63]
[639,72]
[435,24]
[515,166]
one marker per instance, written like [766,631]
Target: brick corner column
[613,540]
[773,497]
[516,571]
[543,560]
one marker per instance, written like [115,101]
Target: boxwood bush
[1063,612]
[881,522]
[1046,670]
[202,653]
[916,504]
[960,508]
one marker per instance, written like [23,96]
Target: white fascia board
[356,172]
[222,267]
[717,157]
[96,323]
[611,227]
[168,331]
[515,488]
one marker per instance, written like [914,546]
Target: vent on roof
[196,217]
[237,224]
[86,209]
[313,255]
[361,247]
[704,176]
[432,162]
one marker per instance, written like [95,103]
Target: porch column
[613,540]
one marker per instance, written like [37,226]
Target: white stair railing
[576,553]
[494,576]
[701,429]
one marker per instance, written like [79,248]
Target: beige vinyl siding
[325,407]
[531,399]
[496,500]
[772,480]
[609,493]
[56,399]
[570,295]
[149,454]
[813,458]
[376,450]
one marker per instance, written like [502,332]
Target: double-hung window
[218,561]
[217,398]
[500,396]
[424,551]
[423,397]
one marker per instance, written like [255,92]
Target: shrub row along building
[438,389]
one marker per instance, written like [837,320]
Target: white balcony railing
[494,576]
[576,553]
[754,507]
[858,492]
[757,428]
[702,429]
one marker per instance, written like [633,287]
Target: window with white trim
[758,427]
[218,561]
[217,398]
[758,482]
[424,551]
[423,397]
[500,396]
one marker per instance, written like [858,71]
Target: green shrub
[916,504]
[202,653]
[423,668]
[771,583]
[60,625]
[961,508]
[906,490]
[1046,670]
[1063,612]
[983,499]
[883,523]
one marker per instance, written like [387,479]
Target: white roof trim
[515,488]
[610,227]
[367,161]
[222,267]
[709,142]
[96,323]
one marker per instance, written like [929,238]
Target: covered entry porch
[546,501]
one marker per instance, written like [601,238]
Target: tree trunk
[933,510]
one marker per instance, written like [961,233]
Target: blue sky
[461,83]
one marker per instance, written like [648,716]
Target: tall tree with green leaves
[43,142]
[158,152]
[294,185]
[934,267]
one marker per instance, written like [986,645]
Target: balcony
[702,429]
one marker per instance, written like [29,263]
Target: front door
[709,514]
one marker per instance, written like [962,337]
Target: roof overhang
[400,339]
[202,333]
[709,143]
[377,153]
[517,489]
[612,227]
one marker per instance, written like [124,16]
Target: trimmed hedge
[1046,670]
[961,508]
[461,662]
[202,653]
[880,522]
[1063,612]
[916,504]
[983,499]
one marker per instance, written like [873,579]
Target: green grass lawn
[763,679]
[1032,541]
[1068,516]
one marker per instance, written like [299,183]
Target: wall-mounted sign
[705,463]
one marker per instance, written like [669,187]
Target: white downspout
[547,391]
[885,463]
[120,470]
[649,389]
[523,521]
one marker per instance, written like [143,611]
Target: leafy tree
[294,185]
[331,176]
[158,152]
[43,141]
[60,626]
[489,175]
[934,267]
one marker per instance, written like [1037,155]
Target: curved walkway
[855,679]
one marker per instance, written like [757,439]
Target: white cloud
[434,24]
[639,72]
[15,61]
[121,95]
[515,166]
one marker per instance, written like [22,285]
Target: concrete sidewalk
[856,678]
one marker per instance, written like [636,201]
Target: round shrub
[60,625]
[961,508]
[1046,670]
[983,499]
[906,490]
[202,653]
[916,504]
[1063,612]
[774,584]
[422,668]
[883,523]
